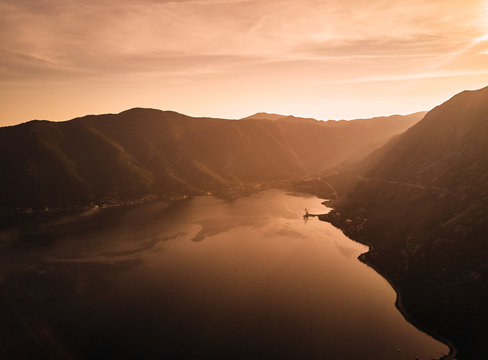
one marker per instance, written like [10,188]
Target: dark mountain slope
[425,199]
[146,152]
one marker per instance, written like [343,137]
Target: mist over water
[202,278]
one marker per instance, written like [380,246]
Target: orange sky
[327,59]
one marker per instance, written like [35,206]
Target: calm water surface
[201,279]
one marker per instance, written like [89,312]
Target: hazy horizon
[88,113]
[230,59]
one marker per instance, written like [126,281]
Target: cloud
[233,44]
[419,45]
[413,76]
[83,33]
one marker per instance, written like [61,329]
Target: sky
[328,59]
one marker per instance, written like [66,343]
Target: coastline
[228,193]
[399,305]
[453,351]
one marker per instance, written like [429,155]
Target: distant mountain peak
[278,117]
[265,116]
[136,110]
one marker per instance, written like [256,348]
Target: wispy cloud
[415,76]
[283,44]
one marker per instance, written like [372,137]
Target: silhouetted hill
[421,202]
[146,152]
[278,117]
[264,116]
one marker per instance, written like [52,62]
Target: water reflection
[204,278]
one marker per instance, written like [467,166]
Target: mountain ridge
[148,152]
[421,203]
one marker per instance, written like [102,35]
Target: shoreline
[399,305]
[398,301]
[226,193]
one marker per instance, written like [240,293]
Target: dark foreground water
[198,279]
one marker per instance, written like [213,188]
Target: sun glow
[282,54]
[481,38]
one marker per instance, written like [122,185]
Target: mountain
[421,203]
[146,152]
[278,117]
[265,116]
